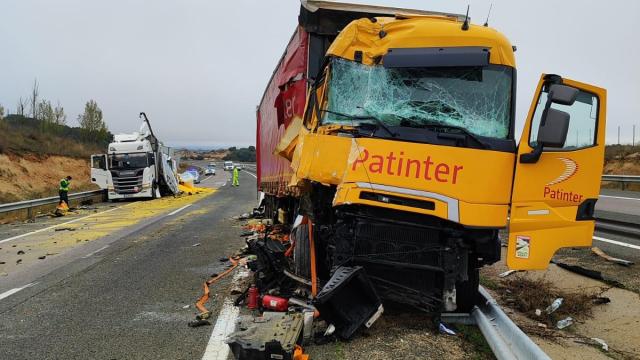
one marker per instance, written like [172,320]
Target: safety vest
[64,185]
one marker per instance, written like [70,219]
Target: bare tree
[22,104]
[34,99]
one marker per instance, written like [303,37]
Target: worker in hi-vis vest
[64,190]
[235,176]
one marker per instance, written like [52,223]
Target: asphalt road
[127,301]
[621,202]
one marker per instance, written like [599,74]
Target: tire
[154,188]
[467,295]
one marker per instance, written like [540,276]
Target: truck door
[557,172]
[99,172]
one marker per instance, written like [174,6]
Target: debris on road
[445,330]
[554,305]
[42,257]
[596,250]
[195,245]
[566,322]
[270,336]
[507,273]
[65,229]
[596,275]
[20,252]
[349,301]
[198,323]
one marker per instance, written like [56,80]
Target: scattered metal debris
[349,301]
[271,336]
[195,245]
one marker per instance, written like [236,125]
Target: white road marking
[207,178]
[217,349]
[252,174]
[13,291]
[95,252]
[55,226]
[614,242]
[620,197]
[178,210]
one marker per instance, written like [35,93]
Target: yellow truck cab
[406,160]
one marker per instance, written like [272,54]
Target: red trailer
[283,100]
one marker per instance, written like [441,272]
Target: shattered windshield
[477,99]
[129,161]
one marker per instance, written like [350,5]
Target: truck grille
[403,258]
[127,182]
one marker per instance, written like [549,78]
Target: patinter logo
[570,169]
[391,164]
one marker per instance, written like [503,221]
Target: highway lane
[125,300]
[621,202]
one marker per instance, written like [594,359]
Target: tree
[91,122]
[44,112]
[22,104]
[35,92]
[1,112]
[60,118]
[252,148]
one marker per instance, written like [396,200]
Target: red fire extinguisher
[275,303]
[252,297]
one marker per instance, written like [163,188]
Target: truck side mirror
[562,94]
[554,128]
[554,124]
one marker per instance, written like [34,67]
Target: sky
[199,67]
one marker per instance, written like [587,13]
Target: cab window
[583,121]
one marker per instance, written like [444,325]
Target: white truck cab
[136,165]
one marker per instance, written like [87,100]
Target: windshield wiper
[411,123]
[365,117]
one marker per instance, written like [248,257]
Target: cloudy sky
[198,68]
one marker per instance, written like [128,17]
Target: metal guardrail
[504,337]
[622,178]
[46,201]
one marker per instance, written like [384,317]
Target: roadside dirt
[31,176]
[616,323]
[404,335]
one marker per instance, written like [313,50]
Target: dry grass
[24,140]
[526,295]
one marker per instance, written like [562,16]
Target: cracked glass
[477,99]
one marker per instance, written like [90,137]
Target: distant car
[196,175]
[211,170]
[228,165]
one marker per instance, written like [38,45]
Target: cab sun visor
[436,57]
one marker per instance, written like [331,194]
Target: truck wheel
[467,295]
[301,253]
